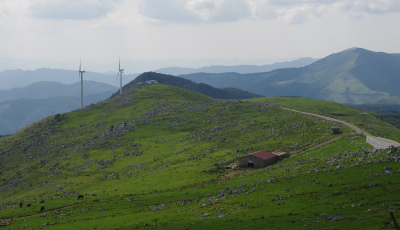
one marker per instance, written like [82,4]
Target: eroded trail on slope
[376,142]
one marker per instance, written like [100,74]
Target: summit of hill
[201,88]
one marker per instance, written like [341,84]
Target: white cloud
[286,11]
[72,9]
[302,14]
[300,2]
[103,29]
[194,11]
[301,11]
[12,17]
[261,9]
[167,10]
[232,10]
[374,6]
[203,8]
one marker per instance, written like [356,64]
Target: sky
[101,31]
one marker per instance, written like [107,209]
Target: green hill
[354,76]
[370,122]
[154,159]
[223,93]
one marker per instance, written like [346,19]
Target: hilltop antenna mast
[81,78]
[120,72]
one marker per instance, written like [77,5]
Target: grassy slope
[370,123]
[166,153]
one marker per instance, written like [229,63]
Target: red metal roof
[263,155]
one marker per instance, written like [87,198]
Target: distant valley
[20,107]
[20,78]
[44,89]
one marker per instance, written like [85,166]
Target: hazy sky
[102,30]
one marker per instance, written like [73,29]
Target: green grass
[361,119]
[144,153]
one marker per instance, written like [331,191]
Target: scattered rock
[387,167]
[47,223]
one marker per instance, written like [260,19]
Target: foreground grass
[360,195]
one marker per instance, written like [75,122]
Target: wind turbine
[120,72]
[81,78]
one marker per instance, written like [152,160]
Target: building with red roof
[258,159]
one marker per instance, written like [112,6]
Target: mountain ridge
[237,68]
[47,89]
[201,88]
[20,107]
[20,78]
[19,113]
[355,75]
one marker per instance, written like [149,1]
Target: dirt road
[376,142]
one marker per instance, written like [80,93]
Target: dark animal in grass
[42,209]
[28,204]
[80,196]
[20,204]
[42,201]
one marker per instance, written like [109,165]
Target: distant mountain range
[130,65]
[19,78]
[243,69]
[222,93]
[354,76]
[44,89]
[20,107]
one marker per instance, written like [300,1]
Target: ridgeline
[201,88]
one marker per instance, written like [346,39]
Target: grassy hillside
[363,120]
[387,112]
[154,158]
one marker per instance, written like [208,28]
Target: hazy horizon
[62,31]
[131,66]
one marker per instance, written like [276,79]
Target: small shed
[280,153]
[258,159]
[336,130]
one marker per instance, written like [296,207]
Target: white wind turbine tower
[120,72]
[81,78]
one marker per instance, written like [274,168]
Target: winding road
[376,142]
